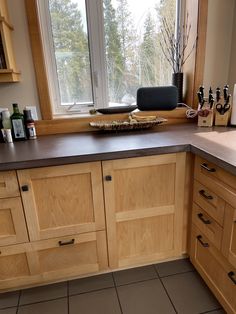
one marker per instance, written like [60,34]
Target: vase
[177,80]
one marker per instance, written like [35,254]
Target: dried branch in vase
[174,47]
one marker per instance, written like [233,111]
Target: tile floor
[166,288]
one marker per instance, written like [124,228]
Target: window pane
[134,56]
[70,39]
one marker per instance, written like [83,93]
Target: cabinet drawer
[71,256]
[207,225]
[217,273]
[209,201]
[16,267]
[202,166]
[12,222]
[8,184]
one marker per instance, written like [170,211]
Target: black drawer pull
[205,221]
[203,193]
[231,275]
[205,166]
[205,244]
[108,178]
[61,243]
[25,188]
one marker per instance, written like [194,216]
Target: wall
[25,92]
[232,69]
[218,44]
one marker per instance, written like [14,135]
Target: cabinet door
[229,235]
[144,200]
[219,275]
[62,200]
[12,222]
[8,184]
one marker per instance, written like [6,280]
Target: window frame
[40,67]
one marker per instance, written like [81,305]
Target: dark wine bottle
[18,128]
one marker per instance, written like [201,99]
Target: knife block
[206,121]
[222,119]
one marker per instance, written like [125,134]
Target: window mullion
[97,51]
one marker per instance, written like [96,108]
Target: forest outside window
[99,52]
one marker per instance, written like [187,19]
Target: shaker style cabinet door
[62,200]
[144,200]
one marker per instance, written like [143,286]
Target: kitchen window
[99,52]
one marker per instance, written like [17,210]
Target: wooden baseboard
[81,124]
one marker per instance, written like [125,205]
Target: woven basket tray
[118,125]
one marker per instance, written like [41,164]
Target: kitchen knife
[217,94]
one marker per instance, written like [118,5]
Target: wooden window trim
[38,59]
[49,125]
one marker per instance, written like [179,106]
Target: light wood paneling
[207,225]
[8,184]
[144,208]
[12,222]
[63,200]
[229,235]
[209,201]
[215,271]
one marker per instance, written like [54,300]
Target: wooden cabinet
[8,69]
[213,235]
[62,200]
[144,200]
[12,222]
[65,216]
[229,235]
[51,260]
[215,270]
[8,184]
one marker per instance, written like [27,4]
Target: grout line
[68,300]
[94,290]
[18,303]
[43,301]
[218,309]
[134,282]
[117,294]
[182,272]
[166,292]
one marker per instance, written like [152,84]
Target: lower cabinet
[64,212]
[51,260]
[215,270]
[144,200]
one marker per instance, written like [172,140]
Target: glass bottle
[29,125]
[18,128]
[6,120]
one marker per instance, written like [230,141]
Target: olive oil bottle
[17,120]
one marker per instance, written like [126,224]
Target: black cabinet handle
[25,188]
[231,275]
[108,178]
[205,166]
[205,221]
[205,244]
[203,193]
[61,243]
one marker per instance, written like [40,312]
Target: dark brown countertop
[216,144]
